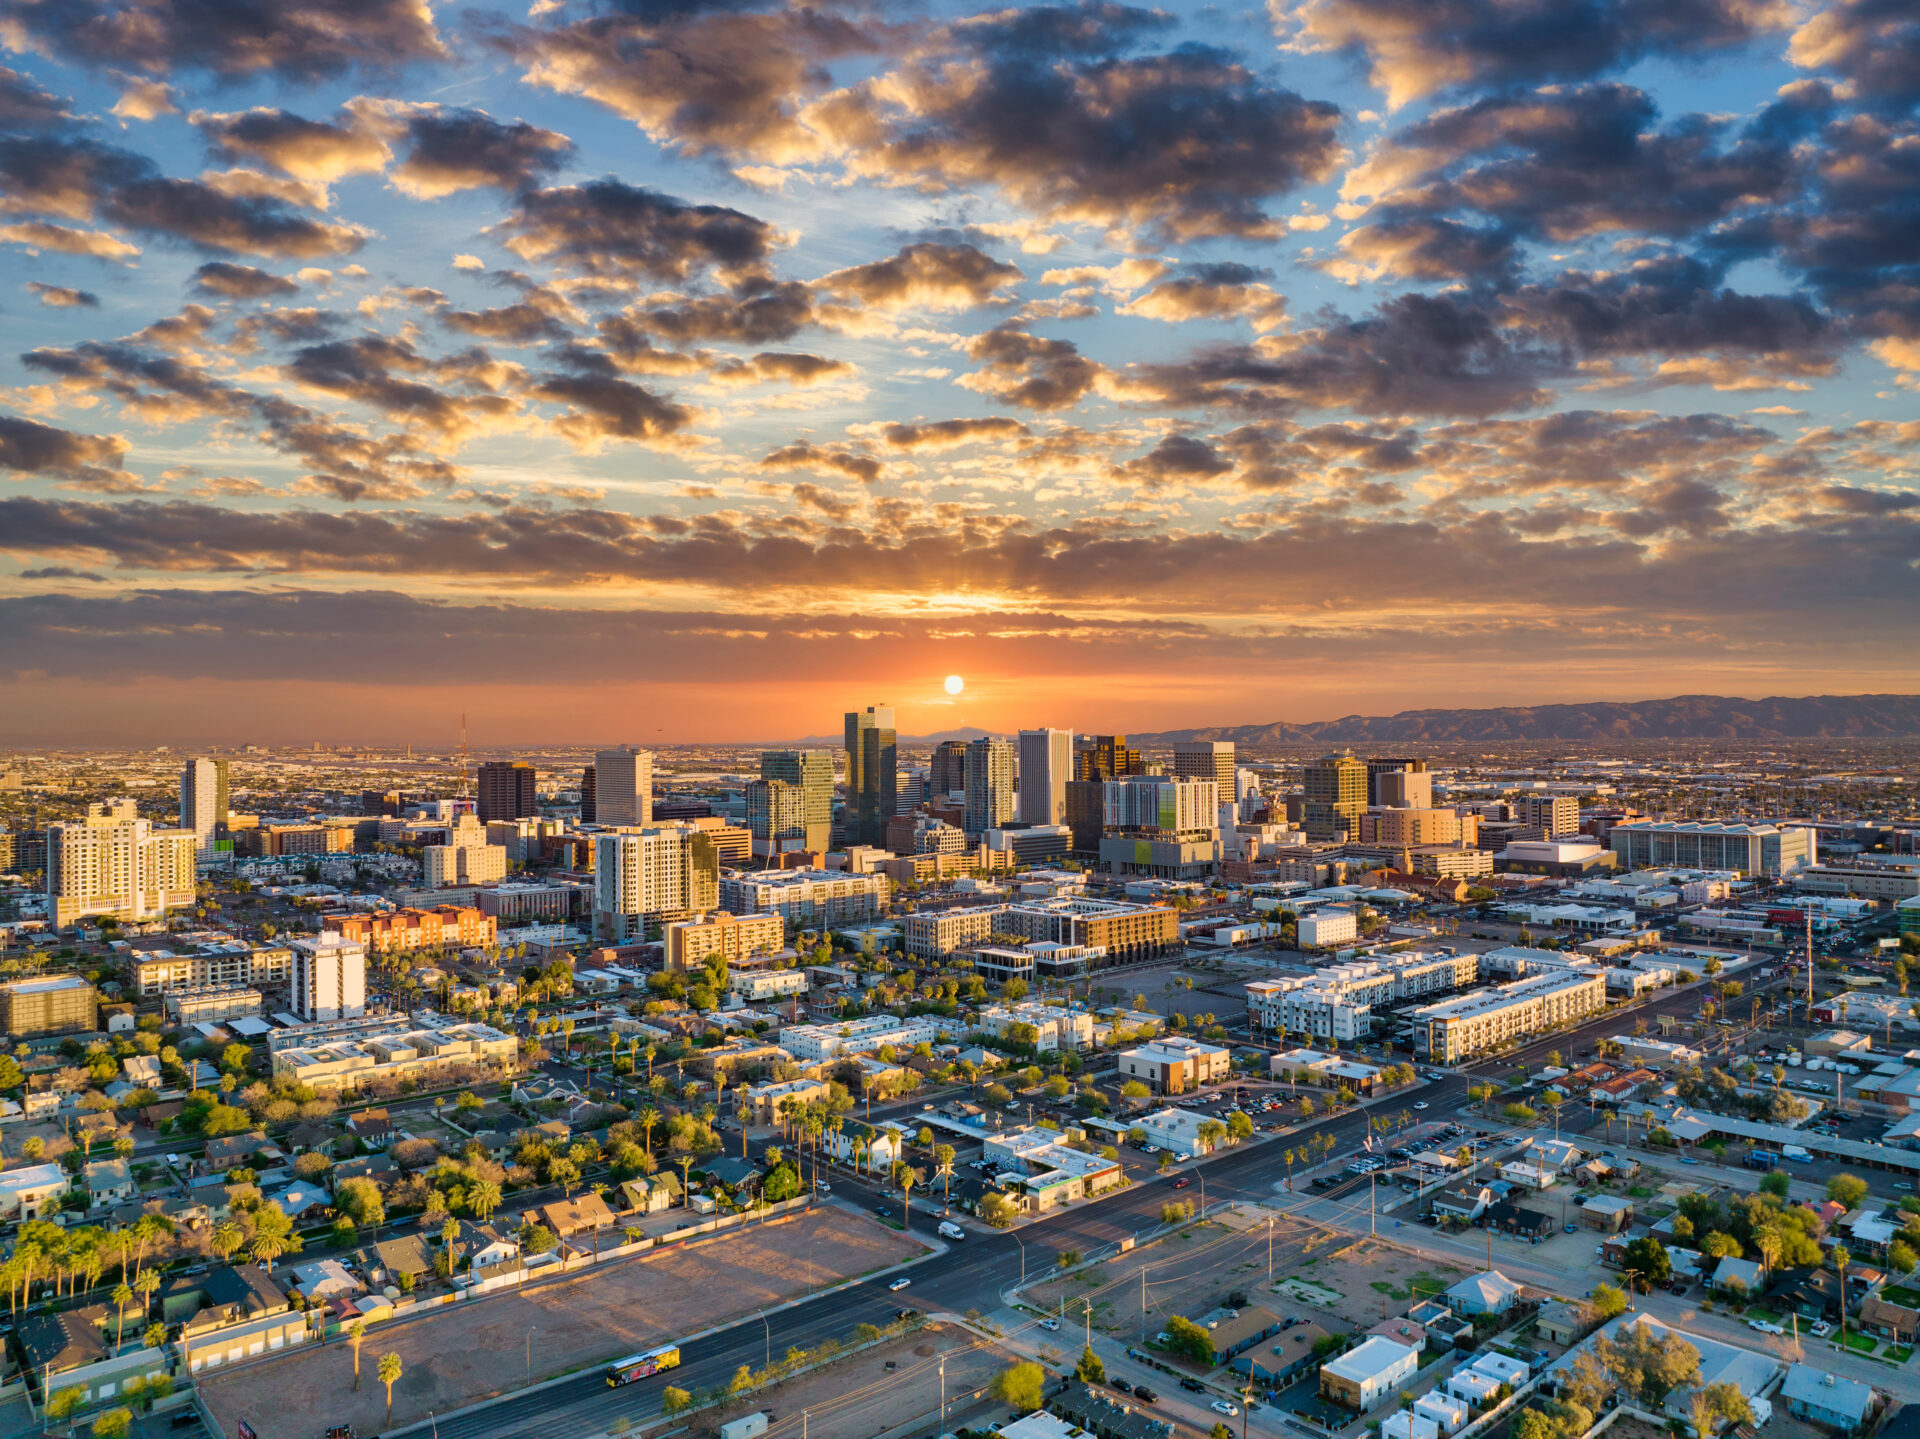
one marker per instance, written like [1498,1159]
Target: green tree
[1019,1385]
[1608,1303]
[1847,1189]
[11,1075]
[1186,1337]
[1090,1369]
[1901,1256]
[1239,1126]
[1774,1183]
[112,1424]
[1649,1365]
[675,1401]
[360,1200]
[1219,1431]
[1647,1259]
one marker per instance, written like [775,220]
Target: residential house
[373,1128]
[1824,1398]
[234,1151]
[1518,1220]
[1371,1369]
[1450,1414]
[1810,1293]
[582,1215]
[377,1167]
[1889,1320]
[1405,1424]
[248,1339]
[1402,1331]
[1559,1322]
[1233,1334]
[384,1261]
[1489,1292]
[1089,1410]
[481,1245]
[298,1200]
[1871,1234]
[1608,1213]
[109,1181]
[227,1294]
[320,1280]
[32,1191]
[1465,1204]
[1444,1329]
[1740,1276]
[70,1352]
[1290,1358]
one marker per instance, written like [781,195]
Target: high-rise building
[1403,789]
[466,857]
[507,790]
[1105,756]
[644,878]
[114,863]
[1378,767]
[810,771]
[989,784]
[1547,816]
[776,817]
[203,801]
[1167,806]
[623,786]
[329,977]
[589,810]
[1087,814]
[947,771]
[1336,796]
[873,764]
[1046,764]
[1206,759]
[52,1004]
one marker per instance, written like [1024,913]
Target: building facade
[729,937]
[1046,764]
[113,864]
[644,878]
[161,971]
[809,771]
[203,801]
[507,789]
[329,978]
[1747,849]
[1334,797]
[873,763]
[808,898]
[1489,1018]
[623,786]
[54,1004]
[990,794]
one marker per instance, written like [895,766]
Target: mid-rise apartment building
[857,1036]
[114,864]
[807,898]
[935,934]
[1409,827]
[989,777]
[810,771]
[1547,816]
[1337,1002]
[756,986]
[403,931]
[1210,760]
[347,1063]
[329,978]
[646,878]
[1047,1027]
[220,966]
[1485,1019]
[729,937]
[1747,849]
[465,859]
[52,1004]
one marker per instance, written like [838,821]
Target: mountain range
[1695,717]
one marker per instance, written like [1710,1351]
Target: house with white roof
[32,1192]
[1489,1292]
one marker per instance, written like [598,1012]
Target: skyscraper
[776,816]
[1336,796]
[1377,768]
[507,790]
[811,772]
[1105,756]
[203,797]
[646,879]
[873,765]
[947,771]
[623,786]
[1046,764]
[1206,759]
[114,863]
[589,809]
[989,785]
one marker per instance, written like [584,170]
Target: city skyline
[709,364]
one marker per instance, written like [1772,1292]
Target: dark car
[1193,1386]
[1145,1395]
[1182,1182]
[1121,1385]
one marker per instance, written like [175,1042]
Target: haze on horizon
[702,370]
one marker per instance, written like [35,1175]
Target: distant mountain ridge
[1697,717]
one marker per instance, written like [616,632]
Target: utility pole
[1143,1304]
[943,1395]
[1269,1249]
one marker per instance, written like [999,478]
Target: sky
[701,369]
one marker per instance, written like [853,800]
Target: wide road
[972,1274]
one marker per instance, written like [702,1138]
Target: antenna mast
[463,759]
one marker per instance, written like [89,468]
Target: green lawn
[1862,1343]
[1899,1353]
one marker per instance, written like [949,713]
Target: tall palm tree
[356,1332]
[389,1373]
[122,1297]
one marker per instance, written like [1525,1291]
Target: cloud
[758,310]
[143,99]
[1874,45]
[318,150]
[608,227]
[1212,292]
[201,215]
[290,40]
[62,572]
[939,435]
[601,408]
[89,461]
[791,369]
[863,468]
[240,282]
[26,105]
[60,297]
[925,277]
[40,235]
[701,80]
[1092,134]
[1025,370]
[1177,459]
[1417,47]
[453,150]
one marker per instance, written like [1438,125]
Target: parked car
[901,1283]
[1050,1325]
[1821,1329]
[1220,1406]
[1764,1326]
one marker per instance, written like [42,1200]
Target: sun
[955,684]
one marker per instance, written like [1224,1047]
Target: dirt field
[860,1397]
[469,1351]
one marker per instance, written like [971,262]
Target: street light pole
[530,1329]
[1023,1257]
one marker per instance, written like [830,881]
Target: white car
[1764,1326]
[1052,1325]
[1821,1329]
[1422,1104]
[900,1283]
[1220,1406]
[1181,1158]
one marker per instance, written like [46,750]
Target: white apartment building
[1324,928]
[1480,1021]
[623,786]
[1055,1027]
[807,898]
[755,985]
[652,875]
[112,863]
[856,1036]
[466,858]
[346,1063]
[1336,1002]
[222,965]
[1173,1065]
[1046,764]
[936,934]
[329,979]
[998,963]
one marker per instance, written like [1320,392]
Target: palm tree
[145,1284]
[228,1239]
[356,1332]
[648,1116]
[122,1297]
[389,1373]
[1287,1159]
[483,1199]
[943,1155]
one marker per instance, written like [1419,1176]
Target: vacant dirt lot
[469,1351]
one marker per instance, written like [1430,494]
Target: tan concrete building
[726,936]
[114,864]
[764,1101]
[162,971]
[1488,1018]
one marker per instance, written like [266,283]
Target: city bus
[639,1366]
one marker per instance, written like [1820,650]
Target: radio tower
[464,782]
